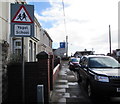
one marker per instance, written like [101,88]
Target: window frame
[15,47]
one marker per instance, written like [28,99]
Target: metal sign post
[23,72]
[22,25]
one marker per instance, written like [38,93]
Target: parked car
[100,75]
[74,64]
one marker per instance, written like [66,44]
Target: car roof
[88,56]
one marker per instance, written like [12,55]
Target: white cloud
[87,24]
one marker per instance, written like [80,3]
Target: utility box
[40,94]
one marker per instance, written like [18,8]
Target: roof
[83,52]
[48,35]
[117,49]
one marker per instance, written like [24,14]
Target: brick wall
[51,71]
[36,73]
[3,71]
[0,72]
[14,83]
[55,72]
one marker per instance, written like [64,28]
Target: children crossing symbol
[22,16]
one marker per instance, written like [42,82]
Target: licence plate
[76,68]
[118,89]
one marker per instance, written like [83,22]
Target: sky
[86,23]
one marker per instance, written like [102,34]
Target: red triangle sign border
[13,20]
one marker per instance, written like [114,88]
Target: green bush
[15,58]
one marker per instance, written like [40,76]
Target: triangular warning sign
[22,16]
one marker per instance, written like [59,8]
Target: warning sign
[22,16]
[22,20]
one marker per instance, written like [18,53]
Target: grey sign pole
[23,72]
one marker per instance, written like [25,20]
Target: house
[45,43]
[62,50]
[116,54]
[81,53]
[59,52]
[32,45]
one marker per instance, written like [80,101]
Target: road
[67,90]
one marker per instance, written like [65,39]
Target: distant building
[116,54]
[62,50]
[81,53]
[45,43]
[59,52]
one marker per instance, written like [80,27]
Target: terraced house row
[11,46]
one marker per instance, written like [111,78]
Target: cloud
[87,23]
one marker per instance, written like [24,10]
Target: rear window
[74,60]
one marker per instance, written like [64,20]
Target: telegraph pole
[66,46]
[110,39]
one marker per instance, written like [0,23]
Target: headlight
[71,63]
[101,78]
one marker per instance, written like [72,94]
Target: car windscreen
[103,62]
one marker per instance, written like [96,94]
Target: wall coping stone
[42,55]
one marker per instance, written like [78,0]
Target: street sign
[22,30]
[22,16]
[22,20]
[62,44]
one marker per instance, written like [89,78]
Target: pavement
[66,89]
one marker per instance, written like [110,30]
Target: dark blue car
[100,75]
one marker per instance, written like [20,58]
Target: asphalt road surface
[68,91]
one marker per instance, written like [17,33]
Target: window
[30,51]
[35,30]
[50,43]
[84,61]
[103,62]
[17,47]
[74,60]
[34,51]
